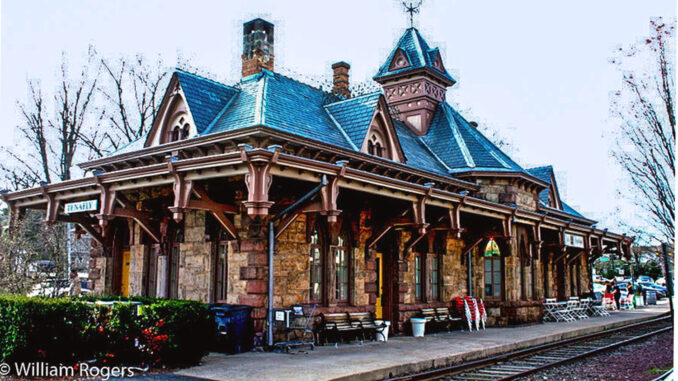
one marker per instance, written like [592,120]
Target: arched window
[341,269]
[180,130]
[316,268]
[176,134]
[376,145]
[493,271]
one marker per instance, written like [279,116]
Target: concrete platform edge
[409,368]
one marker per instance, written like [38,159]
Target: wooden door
[124,287]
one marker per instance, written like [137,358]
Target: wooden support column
[258,181]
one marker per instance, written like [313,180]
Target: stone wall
[292,271]
[196,259]
[454,272]
[501,191]
[138,253]
[96,278]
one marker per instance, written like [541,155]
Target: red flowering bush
[161,332]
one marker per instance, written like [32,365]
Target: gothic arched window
[493,270]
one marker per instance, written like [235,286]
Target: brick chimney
[257,47]
[340,79]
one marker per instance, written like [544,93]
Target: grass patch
[658,370]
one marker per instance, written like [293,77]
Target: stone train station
[415,206]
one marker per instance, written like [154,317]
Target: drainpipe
[271,249]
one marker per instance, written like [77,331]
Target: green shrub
[167,332]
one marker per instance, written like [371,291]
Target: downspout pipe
[271,249]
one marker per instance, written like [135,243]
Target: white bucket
[382,332]
[418,326]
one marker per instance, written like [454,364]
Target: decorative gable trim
[383,132]
[399,61]
[554,193]
[173,114]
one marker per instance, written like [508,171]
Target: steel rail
[488,361]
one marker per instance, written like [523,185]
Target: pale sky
[538,71]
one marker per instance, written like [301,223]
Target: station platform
[403,354]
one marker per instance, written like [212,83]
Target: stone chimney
[257,47]
[340,79]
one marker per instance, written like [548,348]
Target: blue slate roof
[418,53]
[273,100]
[205,97]
[354,115]
[545,174]
[461,146]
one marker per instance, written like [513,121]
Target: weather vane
[412,9]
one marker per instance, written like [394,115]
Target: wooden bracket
[258,180]
[455,221]
[574,257]
[563,254]
[419,214]
[286,221]
[329,195]
[106,204]
[182,192]
[53,204]
[87,223]
[415,240]
[470,247]
[507,225]
[379,235]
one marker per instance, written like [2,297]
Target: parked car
[645,279]
[661,291]
[47,288]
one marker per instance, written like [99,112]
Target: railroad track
[513,365]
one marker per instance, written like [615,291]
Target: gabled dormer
[188,107]
[550,196]
[381,138]
[368,125]
[414,80]
[399,61]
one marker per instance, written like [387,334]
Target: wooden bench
[438,318]
[335,326]
[366,322]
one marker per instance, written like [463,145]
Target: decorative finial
[412,9]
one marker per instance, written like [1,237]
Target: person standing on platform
[616,292]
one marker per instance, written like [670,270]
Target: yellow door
[125,273]
[380,287]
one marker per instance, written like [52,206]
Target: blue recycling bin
[234,328]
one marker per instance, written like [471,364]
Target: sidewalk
[401,355]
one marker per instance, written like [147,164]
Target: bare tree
[646,142]
[50,140]
[30,253]
[131,91]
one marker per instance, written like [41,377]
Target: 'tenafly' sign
[81,206]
